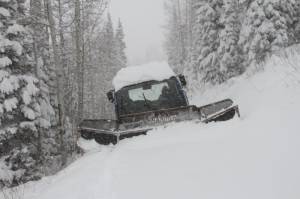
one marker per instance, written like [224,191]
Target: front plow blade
[106,138]
[219,111]
[107,132]
[101,130]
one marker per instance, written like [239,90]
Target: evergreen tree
[20,110]
[42,66]
[229,50]
[120,46]
[291,11]
[297,22]
[265,29]
[227,35]
[206,30]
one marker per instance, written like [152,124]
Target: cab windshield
[150,96]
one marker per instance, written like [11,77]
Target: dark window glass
[150,96]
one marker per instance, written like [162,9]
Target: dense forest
[212,41]
[58,58]
[57,61]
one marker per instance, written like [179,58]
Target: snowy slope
[257,156]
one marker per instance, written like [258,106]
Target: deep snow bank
[257,156]
[264,85]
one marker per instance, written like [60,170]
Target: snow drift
[136,74]
[256,156]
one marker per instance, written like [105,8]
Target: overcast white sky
[143,22]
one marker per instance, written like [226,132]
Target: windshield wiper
[146,101]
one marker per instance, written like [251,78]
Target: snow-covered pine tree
[228,35]
[120,46]
[291,11]
[296,21]
[43,68]
[206,30]
[20,111]
[265,29]
[229,50]
[50,153]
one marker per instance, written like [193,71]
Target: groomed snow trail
[256,156]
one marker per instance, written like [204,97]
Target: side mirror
[111,96]
[182,80]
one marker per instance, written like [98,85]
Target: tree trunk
[59,75]
[37,30]
[79,66]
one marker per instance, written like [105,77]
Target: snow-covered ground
[256,156]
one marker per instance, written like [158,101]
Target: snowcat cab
[143,106]
[149,96]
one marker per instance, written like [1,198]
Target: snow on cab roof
[146,72]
